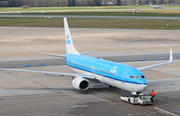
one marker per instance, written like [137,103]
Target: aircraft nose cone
[143,87]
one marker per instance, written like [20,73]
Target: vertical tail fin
[68,40]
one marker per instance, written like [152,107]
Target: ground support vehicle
[142,99]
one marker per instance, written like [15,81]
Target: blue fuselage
[108,69]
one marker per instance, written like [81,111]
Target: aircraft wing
[155,65]
[56,73]
[51,54]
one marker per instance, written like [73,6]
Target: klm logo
[113,70]
[67,40]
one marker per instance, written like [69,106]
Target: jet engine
[80,83]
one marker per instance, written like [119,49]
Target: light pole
[137,6]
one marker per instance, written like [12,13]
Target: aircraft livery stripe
[93,69]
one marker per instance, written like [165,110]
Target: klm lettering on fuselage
[67,40]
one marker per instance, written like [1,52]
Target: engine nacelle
[80,83]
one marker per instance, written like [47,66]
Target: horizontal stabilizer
[51,54]
[87,52]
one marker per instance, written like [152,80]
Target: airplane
[156,6]
[98,70]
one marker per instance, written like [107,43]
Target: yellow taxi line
[114,93]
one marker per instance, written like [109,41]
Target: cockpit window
[142,76]
[136,77]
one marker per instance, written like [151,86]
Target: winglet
[155,65]
[171,56]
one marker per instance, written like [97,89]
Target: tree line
[59,3]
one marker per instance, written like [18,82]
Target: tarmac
[29,94]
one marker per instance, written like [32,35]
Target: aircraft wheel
[129,100]
[110,86]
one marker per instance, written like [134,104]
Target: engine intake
[80,83]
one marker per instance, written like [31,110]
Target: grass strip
[93,23]
[8,9]
[175,13]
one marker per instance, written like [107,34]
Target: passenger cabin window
[136,77]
